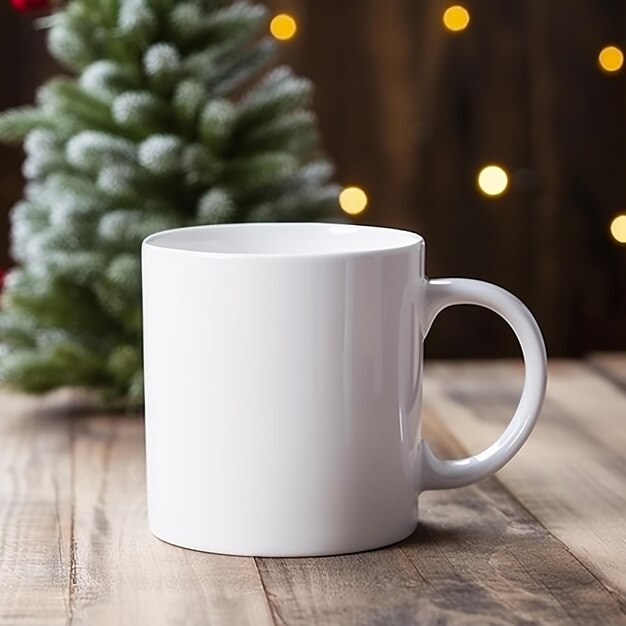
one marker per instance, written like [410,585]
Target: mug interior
[281,238]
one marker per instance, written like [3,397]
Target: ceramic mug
[283,375]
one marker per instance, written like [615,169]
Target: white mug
[283,374]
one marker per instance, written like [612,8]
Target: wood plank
[35,512]
[570,474]
[611,365]
[478,557]
[122,574]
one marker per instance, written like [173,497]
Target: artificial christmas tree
[162,127]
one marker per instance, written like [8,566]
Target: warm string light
[611,59]
[283,27]
[456,18]
[618,228]
[493,180]
[353,200]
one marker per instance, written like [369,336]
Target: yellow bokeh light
[353,200]
[456,18]
[283,27]
[611,59]
[618,228]
[493,180]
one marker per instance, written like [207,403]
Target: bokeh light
[493,180]
[353,200]
[456,18]
[283,27]
[618,228]
[611,59]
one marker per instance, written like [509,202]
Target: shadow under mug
[283,376]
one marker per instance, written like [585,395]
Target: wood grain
[478,557]
[35,513]
[122,574]
[571,472]
[540,544]
[611,366]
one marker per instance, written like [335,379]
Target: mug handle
[436,473]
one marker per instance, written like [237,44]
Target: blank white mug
[283,374]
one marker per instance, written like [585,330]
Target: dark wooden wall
[24,65]
[411,112]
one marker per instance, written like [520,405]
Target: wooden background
[411,112]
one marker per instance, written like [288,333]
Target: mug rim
[384,240]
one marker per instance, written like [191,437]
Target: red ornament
[25,6]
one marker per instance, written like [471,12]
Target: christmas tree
[173,119]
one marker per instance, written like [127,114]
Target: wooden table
[544,542]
